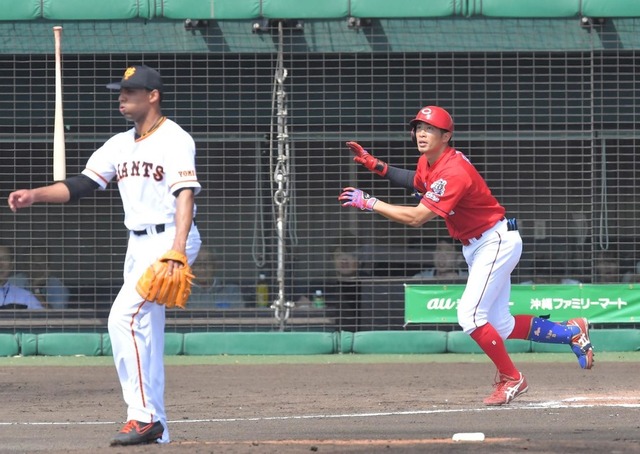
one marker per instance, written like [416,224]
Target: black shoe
[137,433]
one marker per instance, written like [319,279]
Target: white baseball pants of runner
[491,259]
[136,329]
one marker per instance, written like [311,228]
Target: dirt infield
[296,408]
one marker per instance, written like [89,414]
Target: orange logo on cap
[129,72]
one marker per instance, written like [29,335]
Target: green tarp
[11,10]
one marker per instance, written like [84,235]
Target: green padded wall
[460,342]
[106,345]
[61,344]
[20,10]
[208,9]
[9,345]
[346,342]
[12,10]
[400,342]
[538,8]
[405,8]
[28,344]
[173,344]
[83,9]
[278,343]
[295,9]
[610,8]
[259,343]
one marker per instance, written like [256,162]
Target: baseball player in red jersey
[453,189]
[154,166]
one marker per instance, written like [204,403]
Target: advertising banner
[604,303]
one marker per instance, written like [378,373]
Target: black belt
[512,225]
[159,228]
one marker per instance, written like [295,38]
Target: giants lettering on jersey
[137,169]
[437,190]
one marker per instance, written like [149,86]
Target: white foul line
[554,404]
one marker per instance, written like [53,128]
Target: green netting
[479,34]
[626,33]
[385,35]
[335,36]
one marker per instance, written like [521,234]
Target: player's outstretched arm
[414,216]
[362,156]
[23,198]
[398,177]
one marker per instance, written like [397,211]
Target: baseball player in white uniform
[154,166]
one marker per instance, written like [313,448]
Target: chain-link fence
[547,110]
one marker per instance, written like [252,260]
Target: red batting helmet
[432,115]
[435,116]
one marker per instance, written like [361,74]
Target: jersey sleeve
[181,167]
[100,166]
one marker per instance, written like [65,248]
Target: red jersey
[454,190]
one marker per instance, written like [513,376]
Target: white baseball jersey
[148,171]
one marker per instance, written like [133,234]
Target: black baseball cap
[139,76]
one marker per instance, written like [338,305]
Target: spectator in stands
[13,297]
[49,289]
[632,276]
[342,290]
[210,292]
[446,263]
[548,270]
[606,267]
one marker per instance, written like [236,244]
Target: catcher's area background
[396,404]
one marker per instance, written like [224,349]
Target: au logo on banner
[606,303]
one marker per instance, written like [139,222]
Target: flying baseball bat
[59,156]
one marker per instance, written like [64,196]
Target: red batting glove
[352,197]
[363,157]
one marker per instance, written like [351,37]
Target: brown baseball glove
[156,284]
